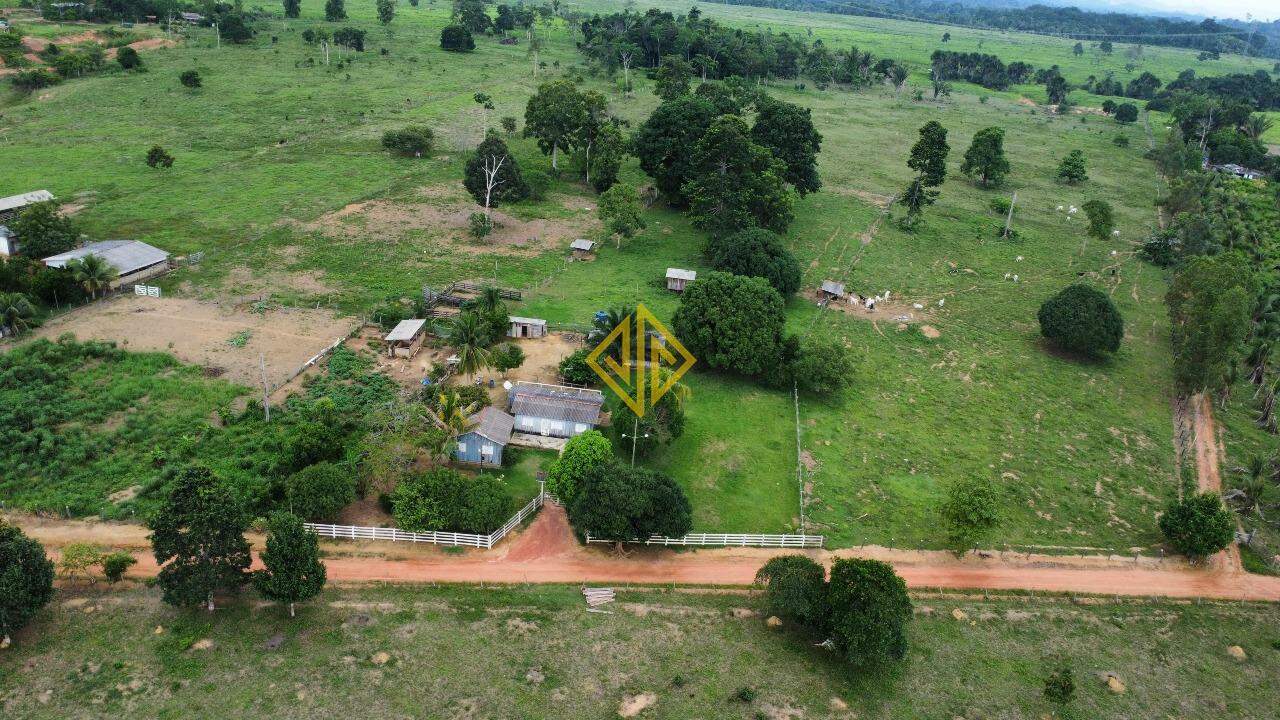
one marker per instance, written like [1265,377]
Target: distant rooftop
[405,330]
[681,274]
[581,244]
[126,256]
[526,321]
[15,202]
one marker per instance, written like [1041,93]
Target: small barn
[523,327]
[487,436]
[14,204]
[678,279]
[554,410]
[405,339]
[133,260]
[583,249]
[831,290]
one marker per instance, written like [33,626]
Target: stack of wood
[596,597]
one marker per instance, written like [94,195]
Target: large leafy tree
[319,492]
[582,454]
[1072,169]
[970,511]
[617,502]
[1209,301]
[606,152]
[1082,319]
[736,183]
[620,210]
[292,568]
[915,199]
[555,116]
[292,8]
[985,157]
[929,154]
[1102,219]
[43,231]
[444,500]
[796,589]
[493,176]
[471,14]
[665,140]
[869,610]
[1198,525]
[335,10]
[787,131]
[197,537]
[456,38]
[756,252]
[26,579]
[386,11]
[732,322]
[824,365]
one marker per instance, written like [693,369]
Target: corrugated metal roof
[526,321]
[680,274]
[14,202]
[493,424]
[556,402]
[405,330]
[833,287]
[126,256]
[581,244]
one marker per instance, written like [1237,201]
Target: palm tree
[605,323]
[1257,125]
[469,336]
[93,273]
[15,308]
[451,418]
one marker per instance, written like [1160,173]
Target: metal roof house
[554,410]
[832,289]
[523,327]
[678,279]
[1237,170]
[133,260]
[405,339]
[14,204]
[582,249]
[488,435]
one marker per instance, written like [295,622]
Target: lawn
[456,652]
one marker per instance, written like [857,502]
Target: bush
[128,58]
[970,511]
[1120,141]
[508,123]
[456,38]
[350,37]
[1000,205]
[116,564]
[1083,320]
[389,314]
[158,157]
[574,369]
[508,357]
[26,579]
[415,140]
[444,500]
[824,365]
[1198,525]
[869,610]
[1108,106]
[319,492]
[1060,686]
[759,253]
[1072,169]
[30,80]
[479,224]
[1126,113]
[795,588]
[582,455]
[191,79]
[539,183]
[617,502]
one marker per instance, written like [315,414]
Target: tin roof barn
[405,339]
[554,410]
[133,260]
[582,248]
[832,289]
[523,327]
[488,434]
[678,279]
[14,204]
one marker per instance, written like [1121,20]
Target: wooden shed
[678,279]
[487,436]
[405,339]
[523,327]
[583,249]
[831,290]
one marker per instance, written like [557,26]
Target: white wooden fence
[730,540]
[361,532]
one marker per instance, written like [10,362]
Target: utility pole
[1009,220]
[217,32]
[266,398]
[634,432]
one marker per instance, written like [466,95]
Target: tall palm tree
[450,417]
[93,273]
[15,308]
[469,335]
[490,300]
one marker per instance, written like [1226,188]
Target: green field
[469,653]
[272,147]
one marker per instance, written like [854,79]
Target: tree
[15,311]
[929,154]
[415,140]
[233,27]
[1078,49]
[26,579]
[350,37]
[582,454]
[190,79]
[663,142]
[673,77]
[1198,525]
[292,8]
[44,231]
[471,14]
[795,588]
[662,423]
[574,368]
[27,81]
[1126,113]
[116,564]
[485,101]
[1102,219]
[759,253]
[787,131]
[735,183]
[128,58]
[620,211]
[508,357]
[470,337]
[970,511]
[456,38]
[335,10]
[602,143]
[443,500]
[732,322]
[158,157]
[1081,319]
[1072,168]
[292,571]
[77,559]
[555,115]
[985,157]
[1056,89]
[1210,302]
[197,536]
[93,273]
[916,198]
[319,492]
[493,176]
[386,11]
[823,366]
[869,610]
[616,502]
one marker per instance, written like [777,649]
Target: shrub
[415,140]
[479,224]
[869,610]
[128,58]
[30,80]
[1121,141]
[76,560]
[191,79]
[508,357]
[350,37]
[1060,686]
[1126,113]
[759,253]
[26,579]
[1072,169]
[456,38]
[824,365]
[795,588]
[1108,106]
[582,455]
[1000,205]
[970,511]
[389,314]
[617,502]
[116,564]
[158,157]
[1083,320]
[1198,525]
[574,368]
[444,500]
[335,10]
[539,183]
[508,123]
[319,492]
[1102,219]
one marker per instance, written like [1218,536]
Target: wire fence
[728,540]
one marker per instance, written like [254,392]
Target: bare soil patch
[148,44]
[199,333]
[893,311]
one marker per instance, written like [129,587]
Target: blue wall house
[554,410]
[488,435]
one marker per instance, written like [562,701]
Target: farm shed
[14,204]
[487,436]
[523,327]
[832,290]
[405,339]
[133,260]
[583,249]
[678,279]
[554,410]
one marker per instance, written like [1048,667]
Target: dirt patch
[199,333]
[148,44]
[930,332]
[1026,101]
[889,311]
[633,705]
[542,356]
[257,282]
[876,199]
[810,463]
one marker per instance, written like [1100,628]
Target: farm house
[554,410]
[405,339]
[487,438]
[133,260]
[522,327]
[14,204]
[678,279]
[582,249]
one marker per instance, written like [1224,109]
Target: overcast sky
[1260,9]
